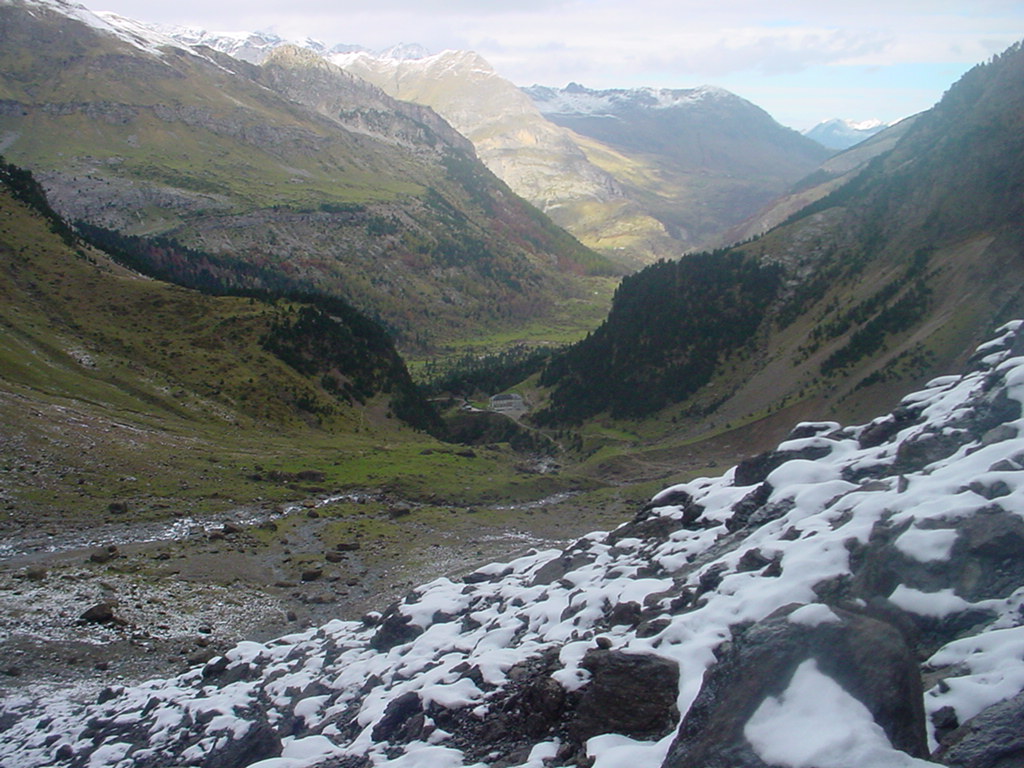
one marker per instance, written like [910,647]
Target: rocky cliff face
[854,597]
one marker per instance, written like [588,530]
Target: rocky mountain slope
[893,276]
[853,597]
[829,176]
[293,165]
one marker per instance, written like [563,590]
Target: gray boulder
[632,694]
[867,658]
[992,739]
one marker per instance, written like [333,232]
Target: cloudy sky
[802,60]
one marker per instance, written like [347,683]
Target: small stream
[37,544]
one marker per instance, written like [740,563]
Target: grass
[569,322]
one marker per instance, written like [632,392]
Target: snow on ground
[341,685]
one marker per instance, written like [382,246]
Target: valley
[253,310]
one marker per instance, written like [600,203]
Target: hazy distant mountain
[843,134]
[710,159]
[537,159]
[705,129]
[636,201]
[832,174]
[637,194]
[254,47]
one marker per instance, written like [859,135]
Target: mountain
[636,201]
[293,166]
[709,158]
[851,598]
[892,276]
[254,47]
[843,134]
[835,172]
[537,159]
[128,384]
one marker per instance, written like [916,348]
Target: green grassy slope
[107,375]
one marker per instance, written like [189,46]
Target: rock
[394,629]
[674,497]
[625,613]
[258,743]
[990,491]
[108,694]
[711,578]
[402,720]
[104,555]
[811,429]
[216,666]
[752,560]
[651,528]
[64,753]
[35,573]
[882,430]
[869,659]
[756,469]
[557,567]
[998,434]
[117,507]
[101,613]
[347,546]
[921,450]
[542,703]
[984,562]
[312,574]
[399,510]
[629,693]
[230,528]
[945,722]
[748,505]
[992,739]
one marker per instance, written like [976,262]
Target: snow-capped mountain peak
[575,99]
[841,134]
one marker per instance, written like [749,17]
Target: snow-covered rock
[910,526]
